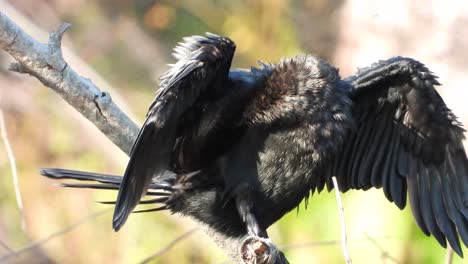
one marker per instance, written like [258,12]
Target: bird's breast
[290,161]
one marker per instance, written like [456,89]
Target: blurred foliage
[129,43]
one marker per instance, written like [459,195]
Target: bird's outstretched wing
[407,141]
[203,64]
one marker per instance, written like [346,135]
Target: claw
[183,181]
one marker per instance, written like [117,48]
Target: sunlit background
[123,46]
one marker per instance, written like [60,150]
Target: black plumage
[237,149]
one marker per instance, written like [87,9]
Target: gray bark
[46,63]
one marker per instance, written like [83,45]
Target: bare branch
[169,246]
[46,63]
[53,235]
[14,172]
[344,239]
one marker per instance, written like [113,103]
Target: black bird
[238,149]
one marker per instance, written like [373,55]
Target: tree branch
[46,63]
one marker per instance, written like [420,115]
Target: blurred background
[123,46]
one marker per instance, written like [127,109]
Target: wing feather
[379,159]
[203,64]
[396,185]
[439,210]
[407,141]
[389,165]
[413,191]
[363,148]
[372,149]
[426,204]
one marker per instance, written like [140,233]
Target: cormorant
[238,149]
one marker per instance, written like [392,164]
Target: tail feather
[104,186]
[162,190]
[161,208]
[56,173]
[150,201]
[106,181]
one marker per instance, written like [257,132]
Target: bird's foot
[259,250]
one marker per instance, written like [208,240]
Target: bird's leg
[240,173]
[244,203]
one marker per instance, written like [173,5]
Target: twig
[449,255]
[53,235]
[383,253]
[14,172]
[344,242]
[165,249]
